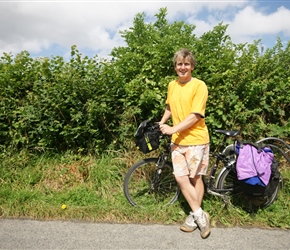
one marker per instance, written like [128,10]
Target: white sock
[197,213]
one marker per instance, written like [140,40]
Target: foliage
[92,104]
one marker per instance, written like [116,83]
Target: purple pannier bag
[252,162]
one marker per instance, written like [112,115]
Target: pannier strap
[258,146]
[232,133]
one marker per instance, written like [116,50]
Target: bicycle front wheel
[146,184]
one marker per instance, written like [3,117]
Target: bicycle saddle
[232,133]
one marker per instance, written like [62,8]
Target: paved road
[31,234]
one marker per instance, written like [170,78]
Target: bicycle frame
[225,150]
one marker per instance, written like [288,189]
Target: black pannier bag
[147,136]
[264,191]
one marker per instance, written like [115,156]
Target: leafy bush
[93,104]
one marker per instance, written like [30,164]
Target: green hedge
[92,104]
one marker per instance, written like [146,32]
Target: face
[183,69]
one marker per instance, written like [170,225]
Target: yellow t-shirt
[183,100]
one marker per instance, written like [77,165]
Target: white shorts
[190,160]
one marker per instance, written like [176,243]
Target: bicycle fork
[159,167]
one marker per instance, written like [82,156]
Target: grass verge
[37,186]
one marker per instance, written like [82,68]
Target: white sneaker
[189,225]
[203,224]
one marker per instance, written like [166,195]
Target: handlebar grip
[156,125]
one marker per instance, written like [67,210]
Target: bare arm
[166,115]
[186,123]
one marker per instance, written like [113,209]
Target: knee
[182,180]
[178,179]
[196,180]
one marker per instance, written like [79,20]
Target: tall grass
[35,186]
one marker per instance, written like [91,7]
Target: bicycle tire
[273,197]
[228,180]
[138,184]
[278,146]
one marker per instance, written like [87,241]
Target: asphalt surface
[32,234]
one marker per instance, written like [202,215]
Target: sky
[50,28]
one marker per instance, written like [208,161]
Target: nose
[183,66]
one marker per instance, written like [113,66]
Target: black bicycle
[151,181]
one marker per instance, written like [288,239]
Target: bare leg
[189,192]
[199,187]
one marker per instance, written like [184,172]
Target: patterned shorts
[190,160]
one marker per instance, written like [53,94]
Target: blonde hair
[184,53]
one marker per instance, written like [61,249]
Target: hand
[166,129]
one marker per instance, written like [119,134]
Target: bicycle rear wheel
[228,180]
[229,183]
[268,200]
[146,185]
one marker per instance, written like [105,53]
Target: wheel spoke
[143,186]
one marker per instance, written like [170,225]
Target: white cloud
[250,22]
[95,25]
